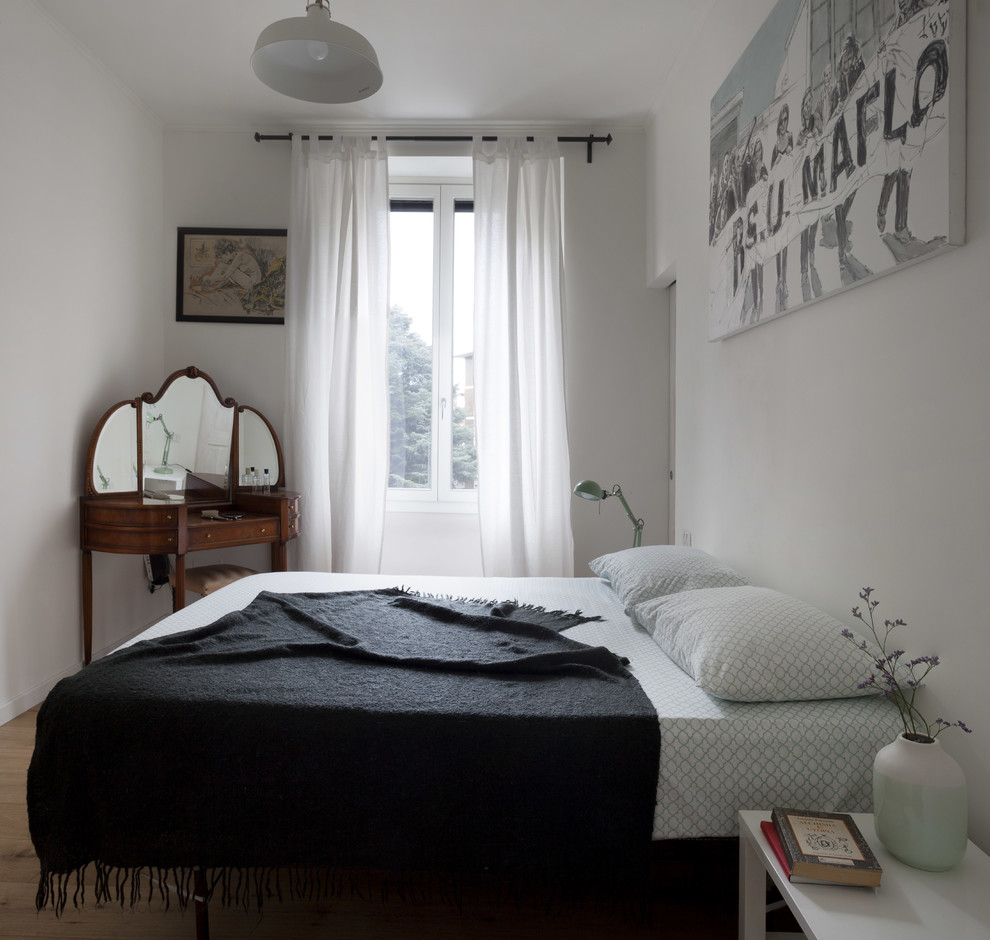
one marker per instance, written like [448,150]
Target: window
[432,458]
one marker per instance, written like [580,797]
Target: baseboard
[34,696]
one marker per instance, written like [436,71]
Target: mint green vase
[919,801]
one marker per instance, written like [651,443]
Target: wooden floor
[693,897]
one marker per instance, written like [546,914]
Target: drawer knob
[209,535]
[168,517]
[263,530]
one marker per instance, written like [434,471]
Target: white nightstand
[909,904]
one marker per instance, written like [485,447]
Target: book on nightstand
[770,834]
[822,848]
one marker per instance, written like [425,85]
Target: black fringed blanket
[367,729]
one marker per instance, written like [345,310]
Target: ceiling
[599,64]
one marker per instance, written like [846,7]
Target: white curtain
[336,394]
[524,487]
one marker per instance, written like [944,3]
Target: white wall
[228,180]
[616,336]
[616,350]
[81,200]
[847,444]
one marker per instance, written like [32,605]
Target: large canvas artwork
[837,153]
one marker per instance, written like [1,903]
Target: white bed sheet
[716,757]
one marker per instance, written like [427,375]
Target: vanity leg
[280,556]
[87,602]
[179,590]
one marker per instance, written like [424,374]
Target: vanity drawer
[293,528]
[292,505]
[114,514]
[233,532]
[140,540]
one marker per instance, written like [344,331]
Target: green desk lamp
[150,420]
[589,489]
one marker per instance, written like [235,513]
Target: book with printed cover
[773,840]
[825,847]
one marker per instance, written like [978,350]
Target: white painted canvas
[837,153]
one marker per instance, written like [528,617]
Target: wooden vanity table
[207,444]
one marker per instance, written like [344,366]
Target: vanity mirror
[113,465]
[257,447]
[185,442]
[187,433]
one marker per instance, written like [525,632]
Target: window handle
[443,408]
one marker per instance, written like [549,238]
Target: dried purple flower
[901,690]
[953,724]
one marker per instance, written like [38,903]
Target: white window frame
[441,496]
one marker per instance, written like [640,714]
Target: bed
[716,755]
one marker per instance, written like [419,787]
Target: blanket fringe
[496,608]
[251,888]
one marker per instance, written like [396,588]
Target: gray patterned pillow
[637,574]
[752,644]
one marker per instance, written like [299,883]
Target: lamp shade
[315,59]
[589,489]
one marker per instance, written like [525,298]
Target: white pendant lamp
[315,59]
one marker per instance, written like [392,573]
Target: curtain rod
[590,140]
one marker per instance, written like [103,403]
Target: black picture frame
[230,275]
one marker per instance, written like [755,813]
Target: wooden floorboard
[692,898]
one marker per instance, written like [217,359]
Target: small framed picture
[230,275]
